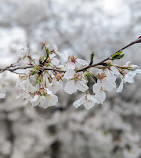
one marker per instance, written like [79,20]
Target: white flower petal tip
[70,65]
[129,77]
[88,101]
[70,87]
[81,86]
[81,61]
[55,61]
[69,74]
[120,88]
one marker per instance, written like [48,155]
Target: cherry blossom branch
[45,77]
[12,68]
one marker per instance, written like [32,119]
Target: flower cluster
[41,79]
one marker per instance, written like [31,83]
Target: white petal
[100,71]
[55,61]
[114,70]
[52,56]
[35,101]
[130,77]
[69,74]
[92,98]
[70,65]
[79,102]
[81,86]
[81,61]
[101,96]
[110,76]
[108,85]
[76,104]
[97,87]
[48,91]
[44,101]
[70,87]
[64,56]
[120,88]
[138,71]
[26,86]
[53,100]
[55,86]
[89,105]
[35,98]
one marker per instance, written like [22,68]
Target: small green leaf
[117,55]
[120,56]
[47,53]
[92,56]
[36,67]
[91,59]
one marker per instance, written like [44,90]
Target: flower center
[58,77]
[77,77]
[101,76]
[72,59]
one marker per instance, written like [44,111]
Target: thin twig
[102,62]
[16,68]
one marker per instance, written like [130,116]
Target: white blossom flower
[128,78]
[75,63]
[106,82]
[75,82]
[44,101]
[54,84]
[88,100]
[25,85]
[100,94]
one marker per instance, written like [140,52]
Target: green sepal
[36,67]
[87,74]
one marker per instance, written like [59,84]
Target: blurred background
[111,130]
